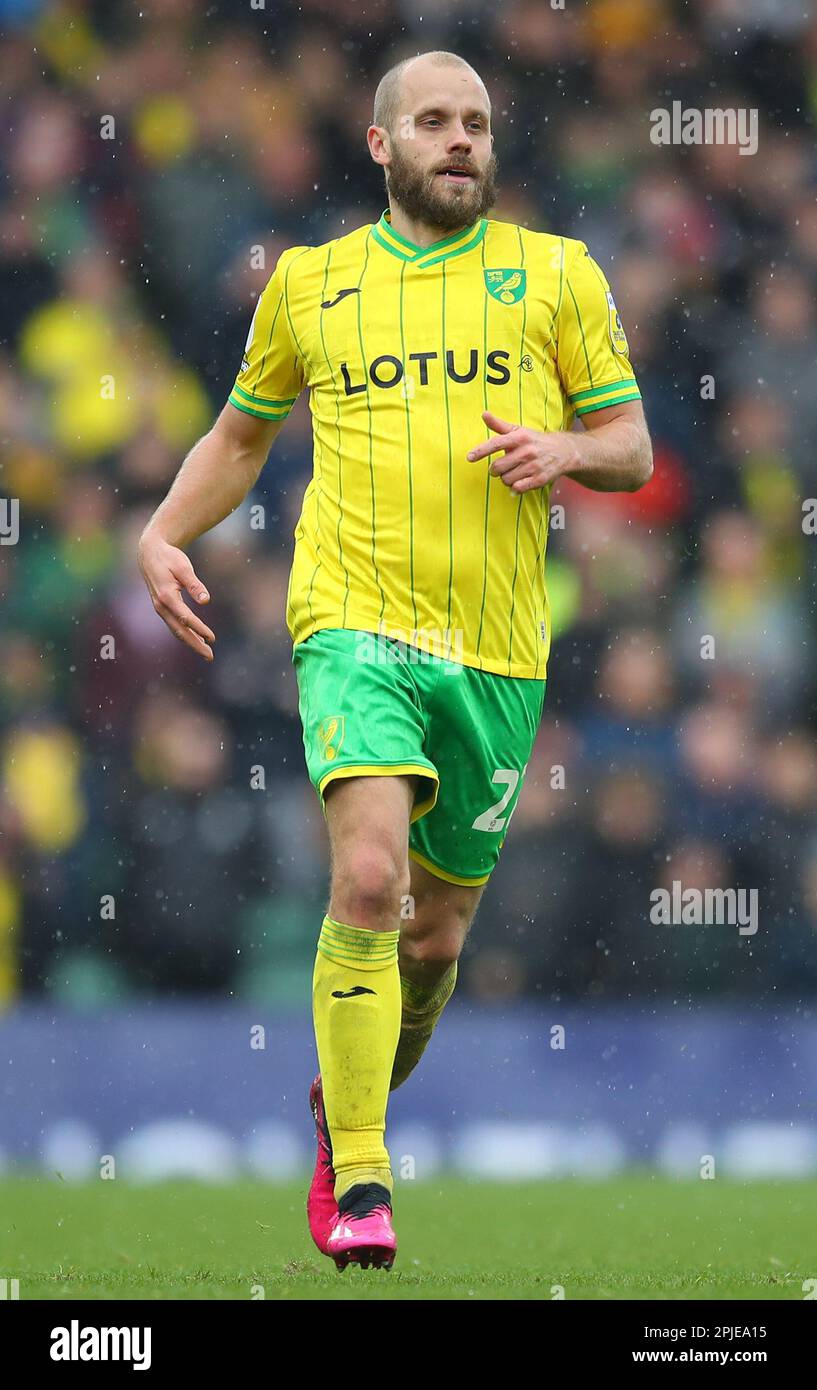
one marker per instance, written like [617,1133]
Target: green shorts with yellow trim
[372,706]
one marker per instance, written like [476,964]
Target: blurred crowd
[157,830]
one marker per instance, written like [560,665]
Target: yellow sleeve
[592,353]
[271,375]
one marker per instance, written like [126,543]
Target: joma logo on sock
[351,993]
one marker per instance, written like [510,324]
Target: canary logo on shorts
[330,736]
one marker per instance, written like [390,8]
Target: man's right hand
[167,572]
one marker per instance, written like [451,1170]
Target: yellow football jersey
[402,347]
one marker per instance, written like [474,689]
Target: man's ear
[384,138]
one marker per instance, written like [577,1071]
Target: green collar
[405,250]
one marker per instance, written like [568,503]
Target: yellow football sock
[421,1010]
[356,1009]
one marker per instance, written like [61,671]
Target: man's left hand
[528,458]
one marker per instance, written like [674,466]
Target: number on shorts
[493,819]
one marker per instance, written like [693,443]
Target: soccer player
[447,355]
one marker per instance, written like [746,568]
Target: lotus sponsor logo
[387,371]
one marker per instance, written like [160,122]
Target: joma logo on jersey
[508,286]
[387,371]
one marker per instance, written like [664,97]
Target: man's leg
[479,733]
[431,940]
[356,986]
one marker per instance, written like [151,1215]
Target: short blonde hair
[387,96]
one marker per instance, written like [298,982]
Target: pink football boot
[362,1233]
[321,1207]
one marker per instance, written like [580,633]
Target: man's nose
[460,138]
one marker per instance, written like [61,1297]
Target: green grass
[630,1237]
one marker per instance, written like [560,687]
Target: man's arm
[615,452]
[214,479]
[612,453]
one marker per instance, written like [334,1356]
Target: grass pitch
[631,1237]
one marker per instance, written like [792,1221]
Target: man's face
[442,170]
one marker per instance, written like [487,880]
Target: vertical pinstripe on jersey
[369,411]
[544,515]
[581,332]
[318,461]
[294,337]
[262,363]
[410,462]
[522,495]
[337,430]
[450,461]
[488,471]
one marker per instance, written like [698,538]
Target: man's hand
[529,458]
[167,571]
[213,480]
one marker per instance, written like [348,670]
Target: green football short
[372,706]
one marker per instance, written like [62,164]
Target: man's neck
[421,233]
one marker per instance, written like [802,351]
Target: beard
[422,196]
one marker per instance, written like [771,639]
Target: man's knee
[368,885]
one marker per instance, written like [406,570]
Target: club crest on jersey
[508,286]
[330,736]
[617,334]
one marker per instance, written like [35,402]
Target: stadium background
[132,257]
